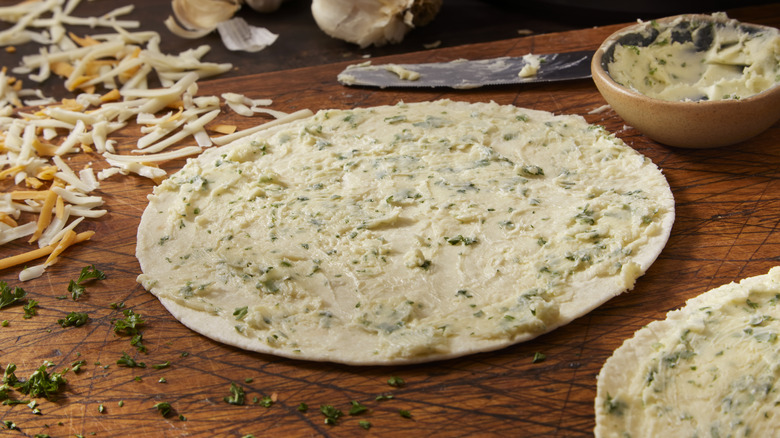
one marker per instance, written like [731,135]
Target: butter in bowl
[693,80]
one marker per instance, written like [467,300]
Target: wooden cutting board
[727,228]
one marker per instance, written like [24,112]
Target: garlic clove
[367,22]
[197,15]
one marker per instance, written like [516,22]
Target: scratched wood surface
[727,228]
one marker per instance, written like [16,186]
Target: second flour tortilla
[405,233]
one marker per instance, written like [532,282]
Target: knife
[465,74]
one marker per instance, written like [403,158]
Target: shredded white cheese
[119,60]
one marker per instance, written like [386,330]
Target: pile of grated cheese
[110,75]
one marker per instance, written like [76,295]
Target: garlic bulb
[377,22]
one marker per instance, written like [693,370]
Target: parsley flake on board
[88,273]
[266,402]
[164,408]
[129,362]
[331,414]
[76,366]
[303,407]
[365,424]
[9,296]
[383,397]
[538,357]
[357,408]
[236,396]
[404,413]
[396,381]
[30,309]
[40,383]
[130,326]
[74,319]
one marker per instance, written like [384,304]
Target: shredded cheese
[35,143]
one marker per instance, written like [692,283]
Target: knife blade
[465,74]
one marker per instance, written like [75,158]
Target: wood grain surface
[727,228]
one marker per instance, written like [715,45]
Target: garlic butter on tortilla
[711,368]
[404,233]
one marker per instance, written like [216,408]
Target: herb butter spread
[688,59]
[402,233]
[709,369]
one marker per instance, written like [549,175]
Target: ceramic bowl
[690,124]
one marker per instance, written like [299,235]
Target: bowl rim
[597,68]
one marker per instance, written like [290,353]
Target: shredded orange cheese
[62,245]
[83,42]
[36,195]
[60,68]
[11,171]
[111,96]
[225,129]
[47,173]
[44,217]
[8,220]
[28,256]
[33,182]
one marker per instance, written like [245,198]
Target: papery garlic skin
[377,22]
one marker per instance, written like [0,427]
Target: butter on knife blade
[465,74]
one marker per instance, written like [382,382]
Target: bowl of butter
[692,80]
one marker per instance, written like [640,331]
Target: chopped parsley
[236,396]
[129,362]
[303,407]
[240,312]
[266,401]
[396,382]
[9,296]
[130,326]
[404,413]
[365,424]
[614,406]
[460,240]
[41,383]
[74,319]
[164,408]
[357,408]
[538,357]
[383,397]
[160,366]
[76,366]
[30,309]
[88,273]
[331,414]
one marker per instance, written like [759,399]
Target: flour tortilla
[708,369]
[404,233]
